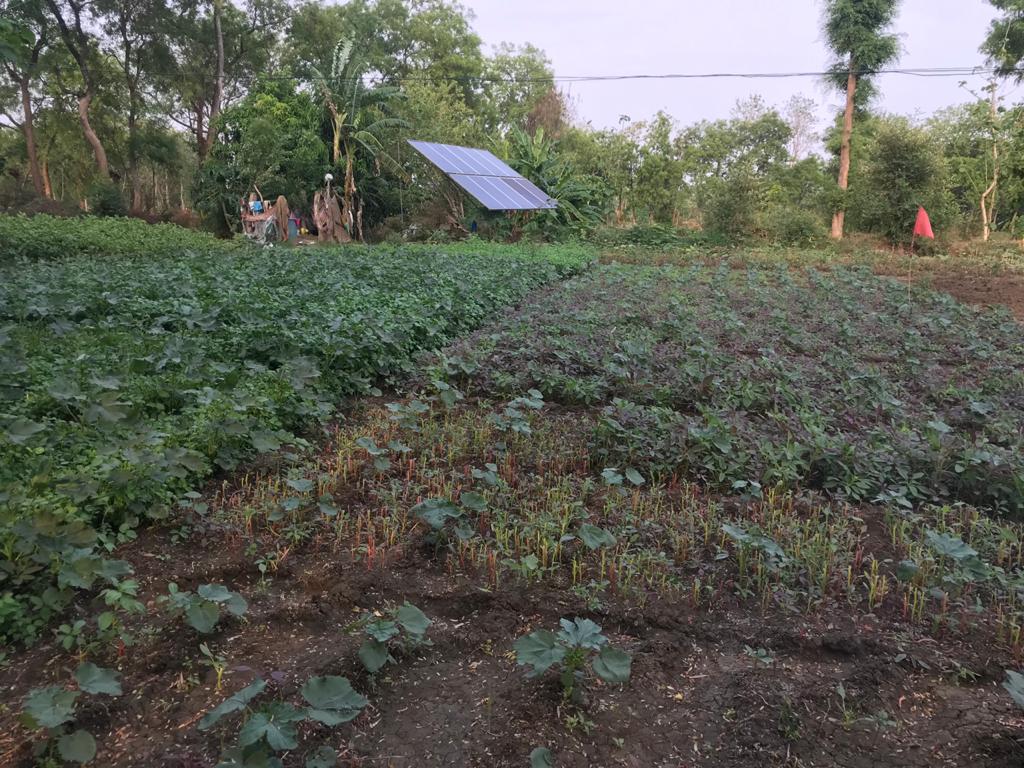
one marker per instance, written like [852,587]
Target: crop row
[124,381]
[754,379]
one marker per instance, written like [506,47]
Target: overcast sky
[612,37]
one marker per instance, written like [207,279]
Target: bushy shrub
[731,206]
[105,199]
[786,225]
[902,170]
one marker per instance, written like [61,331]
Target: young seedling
[403,629]
[578,643]
[215,661]
[273,726]
[202,611]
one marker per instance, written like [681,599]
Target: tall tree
[800,114]
[30,38]
[399,40]
[220,49]
[137,33]
[858,32]
[84,49]
[515,81]
[1004,45]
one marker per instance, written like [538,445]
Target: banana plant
[358,121]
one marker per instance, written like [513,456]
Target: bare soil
[983,289]
[695,697]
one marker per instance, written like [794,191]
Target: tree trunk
[988,197]
[47,185]
[90,135]
[218,88]
[348,195]
[78,46]
[28,128]
[134,182]
[839,218]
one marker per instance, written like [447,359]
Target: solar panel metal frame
[485,178]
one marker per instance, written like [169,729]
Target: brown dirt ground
[985,290]
[695,697]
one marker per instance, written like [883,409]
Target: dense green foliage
[901,169]
[842,381]
[290,111]
[47,237]
[125,379]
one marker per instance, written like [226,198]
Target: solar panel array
[488,180]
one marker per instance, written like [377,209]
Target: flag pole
[910,262]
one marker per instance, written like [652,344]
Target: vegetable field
[496,506]
[126,380]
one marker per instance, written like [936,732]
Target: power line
[964,71]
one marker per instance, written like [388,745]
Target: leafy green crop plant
[204,608]
[272,726]
[400,629]
[577,645]
[54,708]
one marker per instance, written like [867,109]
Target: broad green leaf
[264,442]
[202,615]
[51,707]
[473,500]
[77,747]
[611,476]
[381,630]
[332,700]
[233,703]
[218,593]
[436,512]
[64,389]
[302,484]
[634,477]
[93,679]
[612,665]
[949,545]
[412,619]
[369,445]
[595,537]
[539,650]
[541,757]
[276,724]
[582,633]
[374,655]
[21,430]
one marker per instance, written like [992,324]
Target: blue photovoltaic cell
[488,180]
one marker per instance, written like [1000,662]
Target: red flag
[923,225]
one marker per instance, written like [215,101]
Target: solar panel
[487,180]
